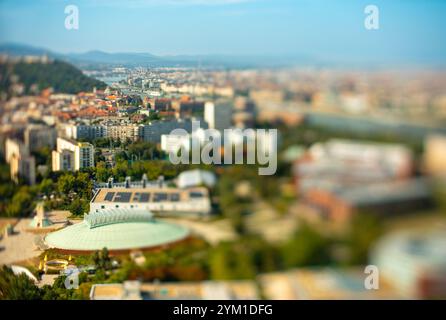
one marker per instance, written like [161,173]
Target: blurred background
[91,90]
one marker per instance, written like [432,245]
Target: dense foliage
[60,76]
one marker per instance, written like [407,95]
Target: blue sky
[410,30]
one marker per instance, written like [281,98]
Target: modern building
[218,114]
[118,230]
[162,201]
[72,155]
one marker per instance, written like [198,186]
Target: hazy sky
[410,30]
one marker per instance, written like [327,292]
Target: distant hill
[98,58]
[59,75]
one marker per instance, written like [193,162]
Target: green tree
[307,247]
[65,184]
[18,287]
[364,230]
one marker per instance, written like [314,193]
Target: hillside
[60,76]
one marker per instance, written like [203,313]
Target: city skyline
[410,33]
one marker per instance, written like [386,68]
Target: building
[435,155]
[343,163]
[160,200]
[195,178]
[154,131]
[322,284]
[341,177]
[172,143]
[39,136]
[218,114]
[205,290]
[118,230]
[413,262]
[21,163]
[245,113]
[383,199]
[72,155]
[129,290]
[84,131]
[127,132]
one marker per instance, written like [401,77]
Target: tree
[21,203]
[46,186]
[65,184]
[364,230]
[79,206]
[18,287]
[307,247]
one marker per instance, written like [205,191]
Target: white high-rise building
[218,115]
[72,155]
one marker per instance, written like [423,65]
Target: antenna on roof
[127,182]
[144,180]
[110,182]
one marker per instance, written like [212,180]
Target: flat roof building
[159,200]
[72,155]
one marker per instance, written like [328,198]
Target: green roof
[116,236]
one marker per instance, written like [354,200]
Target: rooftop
[150,194]
[136,231]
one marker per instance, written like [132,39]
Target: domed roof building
[117,230]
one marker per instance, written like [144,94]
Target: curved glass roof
[111,216]
[122,235]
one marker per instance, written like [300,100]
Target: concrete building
[72,155]
[21,163]
[154,131]
[218,114]
[84,131]
[129,132]
[39,136]
[435,155]
[162,201]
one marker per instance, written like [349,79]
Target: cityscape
[316,177]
